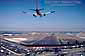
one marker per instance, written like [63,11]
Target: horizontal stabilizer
[32,9]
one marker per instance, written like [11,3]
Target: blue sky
[67,18]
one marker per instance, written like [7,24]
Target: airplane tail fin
[35,9]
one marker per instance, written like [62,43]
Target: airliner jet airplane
[38,11]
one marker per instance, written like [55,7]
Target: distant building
[7,34]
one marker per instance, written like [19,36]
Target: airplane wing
[26,12]
[49,12]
